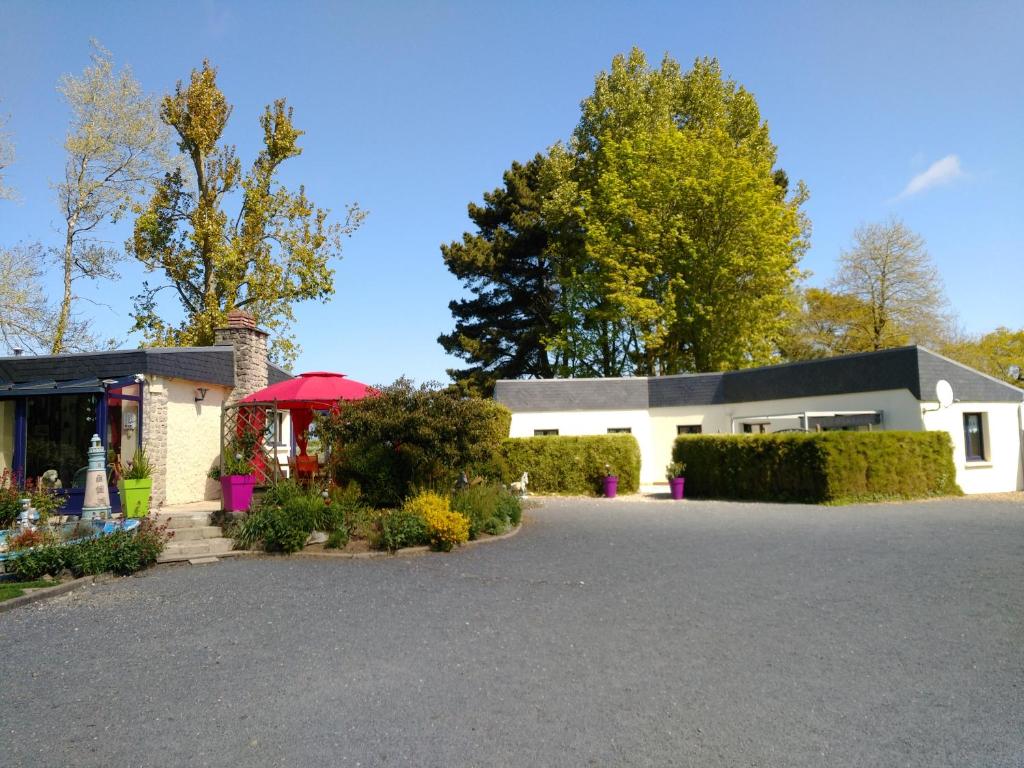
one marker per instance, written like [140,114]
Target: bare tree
[25,316]
[6,159]
[897,287]
[115,148]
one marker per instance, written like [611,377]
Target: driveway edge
[44,593]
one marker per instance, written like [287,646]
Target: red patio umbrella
[308,392]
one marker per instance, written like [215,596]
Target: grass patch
[9,590]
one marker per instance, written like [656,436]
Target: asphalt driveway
[606,633]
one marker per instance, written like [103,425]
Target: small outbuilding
[169,400]
[893,389]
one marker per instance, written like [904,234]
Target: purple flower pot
[236,491]
[676,486]
[611,486]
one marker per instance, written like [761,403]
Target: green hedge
[574,465]
[826,467]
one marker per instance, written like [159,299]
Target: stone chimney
[250,345]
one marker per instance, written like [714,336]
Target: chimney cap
[238,318]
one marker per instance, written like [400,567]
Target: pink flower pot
[236,492]
[676,486]
[611,486]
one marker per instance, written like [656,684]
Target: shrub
[401,528]
[338,538]
[489,508]
[574,465]
[828,467]
[406,436]
[444,528]
[121,553]
[286,515]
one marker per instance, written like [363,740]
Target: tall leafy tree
[114,150]
[272,252]
[691,243]
[508,269]
[999,353]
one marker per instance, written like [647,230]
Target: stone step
[176,522]
[185,550]
[197,533]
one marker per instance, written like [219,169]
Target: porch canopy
[308,392]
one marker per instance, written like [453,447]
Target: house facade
[168,400]
[889,390]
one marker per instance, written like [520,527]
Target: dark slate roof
[572,394]
[912,368]
[206,364]
[276,374]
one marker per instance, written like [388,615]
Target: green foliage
[121,553]
[407,436]
[285,517]
[999,354]
[43,498]
[273,253]
[502,329]
[829,467]
[402,528]
[574,465]
[674,469]
[489,507]
[139,468]
[9,590]
[337,539]
[661,239]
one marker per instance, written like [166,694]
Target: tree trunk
[65,306]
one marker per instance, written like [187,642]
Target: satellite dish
[943,393]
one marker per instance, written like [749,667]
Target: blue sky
[415,109]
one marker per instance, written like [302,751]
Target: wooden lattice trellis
[252,423]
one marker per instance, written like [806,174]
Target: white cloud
[940,172]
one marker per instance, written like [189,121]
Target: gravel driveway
[607,633]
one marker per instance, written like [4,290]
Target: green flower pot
[135,497]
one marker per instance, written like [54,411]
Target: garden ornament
[51,479]
[97,498]
[521,484]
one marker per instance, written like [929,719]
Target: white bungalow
[894,389]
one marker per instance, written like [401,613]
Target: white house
[893,389]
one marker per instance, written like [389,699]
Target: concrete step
[176,522]
[185,550]
[198,533]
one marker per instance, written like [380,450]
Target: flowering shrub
[445,529]
[13,489]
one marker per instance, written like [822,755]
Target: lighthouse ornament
[97,497]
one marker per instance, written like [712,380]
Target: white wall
[1002,469]
[193,440]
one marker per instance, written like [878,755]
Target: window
[620,430]
[974,436]
[755,429]
[688,429]
[545,433]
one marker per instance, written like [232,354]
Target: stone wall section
[250,345]
[154,434]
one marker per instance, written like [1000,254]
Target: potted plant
[611,482]
[237,480]
[674,475]
[136,485]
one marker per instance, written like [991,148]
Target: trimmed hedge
[574,465]
[825,467]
